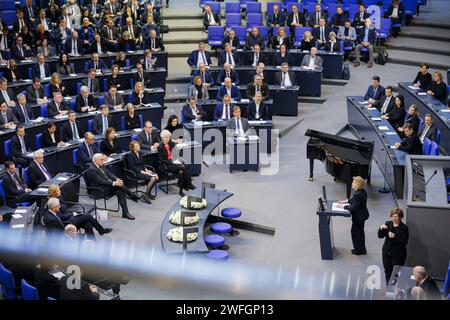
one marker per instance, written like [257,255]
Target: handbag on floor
[346,72]
[382,56]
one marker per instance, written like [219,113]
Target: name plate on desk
[253,122]
[422,93]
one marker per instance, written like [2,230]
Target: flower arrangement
[176,234]
[194,205]
[175,218]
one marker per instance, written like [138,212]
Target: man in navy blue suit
[193,112]
[277,18]
[199,56]
[19,146]
[228,72]
[15,190]
[375,91]
[224,110]
[86,150]
[19,52]
[23,111]
[366,39]
[230,90]
[74,46]
[206,75]
[95,63]
[41,69]
[229,56]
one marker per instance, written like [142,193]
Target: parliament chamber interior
[217,150]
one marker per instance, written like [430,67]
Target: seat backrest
[44,113]
[385,24]
[232,7]
[426,147]
[90,124]
[25,175]
[299,31]
[233,19]
[38,140]
[263,32]
[215,6]
[434,149]
[7,283]
[28,291]
[215,33]
[438,136]
[2,191]
[7,148]
[254,19]
[270,6]
[241,33]
[254,7]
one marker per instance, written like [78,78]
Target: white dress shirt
[42,70]
[312,62]
[285,79]
[226,111]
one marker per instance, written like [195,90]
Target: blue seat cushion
[231,213]
[217,255]
[214,240]
[221,227]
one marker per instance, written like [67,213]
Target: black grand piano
[344,158]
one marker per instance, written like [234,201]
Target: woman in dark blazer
[11,73]
[413,119]
[397,115]
[165,156]
[137,165]
[114,79]
[174,124]
[140,96]
[282,56]
[132,120]
[56,85]
[280,39]
[51,136]
[64,66]
[109,145]
[396,236]
[357,205]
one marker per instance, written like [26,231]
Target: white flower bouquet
[175,218]
[176,234]
[194,205]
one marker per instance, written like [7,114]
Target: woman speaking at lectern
[357,205]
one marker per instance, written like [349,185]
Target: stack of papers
[422,93]
[17,226]
[256,121]
[62,178]
[363,102]
[42,190]
[58,275]
[376,118]
[391,133]
[337,207]
[414,88]
[38,119]
[137,130]
[371,108]
[253,138]
[73,75]
[20,211]
[445,110]
[383,128]
[17,216]
[245,100]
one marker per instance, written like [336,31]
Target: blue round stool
[232,213]
[221,227]
[219,255]
[214,240]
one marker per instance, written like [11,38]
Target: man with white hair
[37,172]
[228,89]
[424,281]
[51,220]
[85,102]
[23,111]
[100,177]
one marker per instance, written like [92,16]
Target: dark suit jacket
[97,123]
[137,101]
[357,21]
[105,35]
[278,59]
[95,84]
[208,77]
[79,102]
[301,18]
[279,78]
[235,43]
[379,103]
[336,46]
[66,130]
[286,41]
[223,59]
[93,47]
[372,35]
[68,46]
[411,144]
[431,289]
[357,205]
[193,58]
[109,101]
[158,44]
[136,164]
[414,121]
[26,14]
[83,154]
[250,56]
[53,111]
[250,41]
[145,78]
[16,150]
[279,20]
[234,76]
[52,222]
[312,18]
[218,111]
[108,149]
[20,115]
[16,53]
[370,93]
[232,124]
[90,65]
[99,179]
[84,293]
[127,45]
[35,175]
[145,144]
[250,92]
[235,94]
[206,20]
[10,95]
[263,111]
[316,33]
[396,246]
[31,94]
[11,190]
[46,284]
[11,118]
[46,140]
[397,117]
[189,116]
[431,133]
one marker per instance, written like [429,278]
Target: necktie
[153,44]
[317,17]
[424,133]
[57,107]
[30,12]
[18,185]
[90,85]
[25,114]
[149,139]
[131,32]
[105,124]
[227,112]
[75,51]
[75,132]
[22,145]
[228,58]
[114,100]
[296,18]
[203,77]
[322,33]
[204,58]
[385,104]
[113,11]
[375,92]
[5,118]
[284,79]
[110,34]
[85,102]
[95,65]
[238,127]
[21,52]
[6,96]
[89,150]
[228,75]
[257,111]
[45,172]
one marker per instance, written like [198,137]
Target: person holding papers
[193,112]
[57,107]
[37,171]
[411,143]
[237,126]
[223,110]
[257,109]
[51,137]
[285,78]
[312,60]
[357,205]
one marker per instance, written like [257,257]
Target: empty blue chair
[244,3]
[130,97]
[232,20]
[141,120]
[287,4]
[78,87]
[101,100]
[215,36]
[215,6]
[7,148]
[8,17]
[438,136]
[299,31]
[122,120]
[38,140]
[44,113]
[90,125]
[331,8]
[426,147]
[7,283]
[134,137]
[221,228]
[263,33]
[105,84]
[47,90]
[310,7]
[7,5]
[232,7]
[28,291]
[220,255]
[434,149]
[241,34]
[75,157]
[30,73]
[132,84]
[254,20]
[214,241]
[253,7]
[232,213]
[352,10]
[270,6]
[410,7]
[385,27]
[72,104]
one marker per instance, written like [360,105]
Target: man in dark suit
[85,292]
[72,130]
[366,39]
[6,94]
[57,107]
[429,130]
[227,72]
[229,56]
[42,19]
[51,220]
[19,23]
[86,150]
[321,33]
[109,35]
[41,69]
[74,46]
[228,89]
[360,17]
[231,39]
[98,45]
[254,38]
[192,112]
[19,52]
[102,121]
[285,78]
[199,56]
[255,57]
[23,111]
[5,43]
[295,19]
[149,138]
[314,17]
[95,63]
[257,86]
[276,19]
[36,93]
[210,18]
[37,171]
[396,12]
[15,190]
[132,29]
[100,177]
[257,109]
[20,146]
[95,9]
[386,102]
[7,117]
[224,110]
[154,43]
[30,12]
[152,11]
[85,102]
[374,92]
[205,74]
[141,76]
[410,144]
[237,126]
[113,99]
[424,281]
[91,82]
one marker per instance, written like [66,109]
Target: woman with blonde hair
[56,85]
[307,41]
[280,39]
[198,90]
[140,96]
